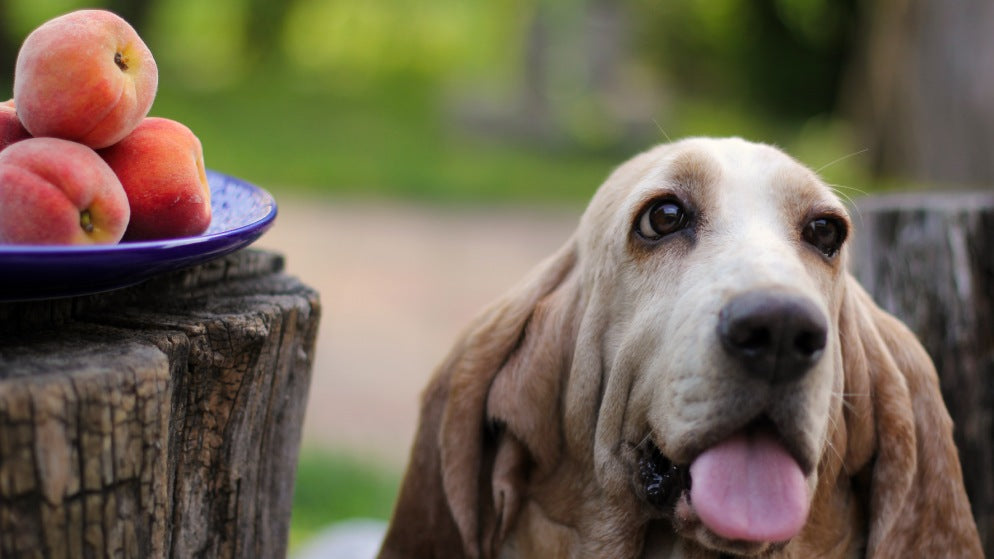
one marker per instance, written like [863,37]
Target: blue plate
[240,213]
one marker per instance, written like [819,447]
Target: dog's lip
[684,515]
[661,482]
[683,519]
[761,422]
[689,525]
[651,446]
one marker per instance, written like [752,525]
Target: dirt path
[397,284]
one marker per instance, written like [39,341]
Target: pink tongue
[749,488]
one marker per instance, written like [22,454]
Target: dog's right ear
[489,415]
[900,440]
[422,525]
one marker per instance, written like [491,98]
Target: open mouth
[746,488]
[663,482]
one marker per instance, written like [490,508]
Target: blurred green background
[509,100]
[533,102]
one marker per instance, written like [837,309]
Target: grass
[391,142]
[332,487]
[397,139]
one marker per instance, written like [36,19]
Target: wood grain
[161,420]
[929,260]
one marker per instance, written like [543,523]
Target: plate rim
[125,246]
[150,258]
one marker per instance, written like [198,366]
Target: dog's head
[722,271]
[695,370]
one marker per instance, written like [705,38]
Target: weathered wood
[161,420]
[929,259]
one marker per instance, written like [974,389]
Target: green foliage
[333,487]
[391,142]
[199,45]
[21,17]
[371,97]
[783,58]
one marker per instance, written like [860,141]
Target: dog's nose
[776,336]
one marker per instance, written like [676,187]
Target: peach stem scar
[86,221]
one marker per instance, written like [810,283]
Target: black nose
[776,336]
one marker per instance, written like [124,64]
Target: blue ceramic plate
[241,212]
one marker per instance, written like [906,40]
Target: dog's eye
[662,218]
[825,234]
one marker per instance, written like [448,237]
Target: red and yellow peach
[11,129]
[84,76]
[161,165]
[54,191]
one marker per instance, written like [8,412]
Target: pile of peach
[80,160]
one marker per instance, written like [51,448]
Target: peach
[84,76]
[11,129]
[161,165]
[54,191]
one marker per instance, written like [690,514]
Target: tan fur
[529,431]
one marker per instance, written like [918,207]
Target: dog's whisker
[845,397]
[833,420]
[830,446]
[841,194]
[853,394]
[833,423]
[831,417]
[841,159]
[837,187]
[850,201]
[661,130]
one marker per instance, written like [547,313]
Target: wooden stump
[161,420]
[929,259]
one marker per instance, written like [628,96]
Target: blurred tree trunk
[921,88]
[534,97]
[925,257]
[9,45]
[572,79]
[266,20]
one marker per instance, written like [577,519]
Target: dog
[695,374]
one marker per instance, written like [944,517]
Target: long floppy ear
[489,418]
[917,505]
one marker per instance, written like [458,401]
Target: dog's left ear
[490,418]
[917,504]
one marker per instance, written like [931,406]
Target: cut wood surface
[161,420]
[929,259]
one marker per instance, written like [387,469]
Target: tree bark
[927,258]
[161,420]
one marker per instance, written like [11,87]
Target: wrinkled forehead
[719,177]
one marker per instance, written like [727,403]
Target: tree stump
[161,420]
[929,260]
